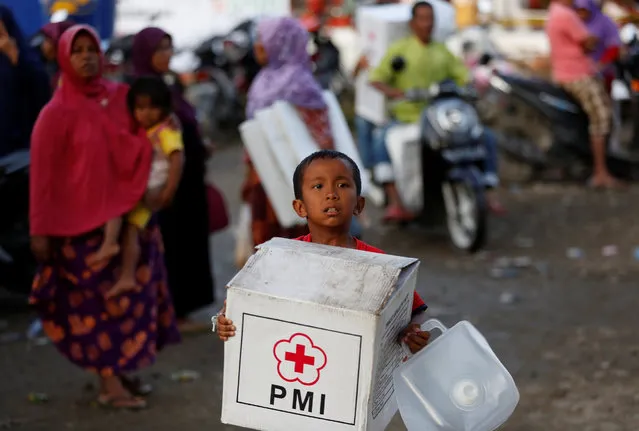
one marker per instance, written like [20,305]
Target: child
[328,187]
[150,102]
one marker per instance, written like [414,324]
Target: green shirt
[425,65]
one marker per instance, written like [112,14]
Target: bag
[243,236]
[218,215]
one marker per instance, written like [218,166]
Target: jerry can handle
[428,325]
[431,324]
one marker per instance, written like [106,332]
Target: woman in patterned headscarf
[286,75]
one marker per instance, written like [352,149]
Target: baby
[150,102]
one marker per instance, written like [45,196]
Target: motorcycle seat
[536,85]
[14,161]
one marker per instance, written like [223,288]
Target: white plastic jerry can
[456,383]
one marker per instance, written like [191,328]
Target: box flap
[333,276]
[387,12]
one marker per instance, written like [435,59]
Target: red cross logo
[299,359]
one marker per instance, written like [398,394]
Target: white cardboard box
[277,140]
[316,339]
[378,27]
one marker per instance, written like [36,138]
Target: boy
[328,187]
[150,102]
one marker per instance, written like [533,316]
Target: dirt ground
[564,325]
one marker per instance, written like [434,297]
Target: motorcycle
[546,130]
[628,72]
[452,160]
[17,264]
[118,58]
[227,69]
[326,63]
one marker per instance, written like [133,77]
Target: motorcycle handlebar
[426,94]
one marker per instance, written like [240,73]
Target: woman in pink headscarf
[89,164]
[286,75]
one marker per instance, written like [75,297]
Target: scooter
[544,129]
[17,264]
[227,69]
[326,63]
[452,159]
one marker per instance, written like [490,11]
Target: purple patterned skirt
[107,337]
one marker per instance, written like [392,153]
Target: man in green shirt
[426,62]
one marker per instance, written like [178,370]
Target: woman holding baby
[90,163]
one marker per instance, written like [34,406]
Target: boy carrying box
[327,187]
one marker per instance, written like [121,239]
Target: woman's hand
[41,248]
[225,327]
[8,45]
[414,337]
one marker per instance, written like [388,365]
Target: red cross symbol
[299,358]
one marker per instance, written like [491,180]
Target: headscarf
[601,26]
[145,44]
[288,75]
[87,164]
[23,89]
[54,30]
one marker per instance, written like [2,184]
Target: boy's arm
[577,31]
[419,308]
[382,76]
[362,65]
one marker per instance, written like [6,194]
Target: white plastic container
[456,383]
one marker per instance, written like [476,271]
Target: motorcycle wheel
[466,215]
[524,141]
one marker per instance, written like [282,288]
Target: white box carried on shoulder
[316,340]
[379,27]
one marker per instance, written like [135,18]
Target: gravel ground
[564,326]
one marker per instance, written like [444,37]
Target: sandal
[136,386]
[397,215]
[121,403]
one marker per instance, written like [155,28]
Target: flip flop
[121,403]
[136,386]
[617,185]
[397,215]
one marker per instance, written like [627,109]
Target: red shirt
[418,302]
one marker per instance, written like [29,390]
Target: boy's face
[145,113]
[329,195]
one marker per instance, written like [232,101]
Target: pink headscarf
[87,166]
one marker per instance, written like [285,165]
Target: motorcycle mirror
[627,33]
[485,59]
[398,64]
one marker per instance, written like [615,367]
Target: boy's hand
[225,327]
[414,337]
